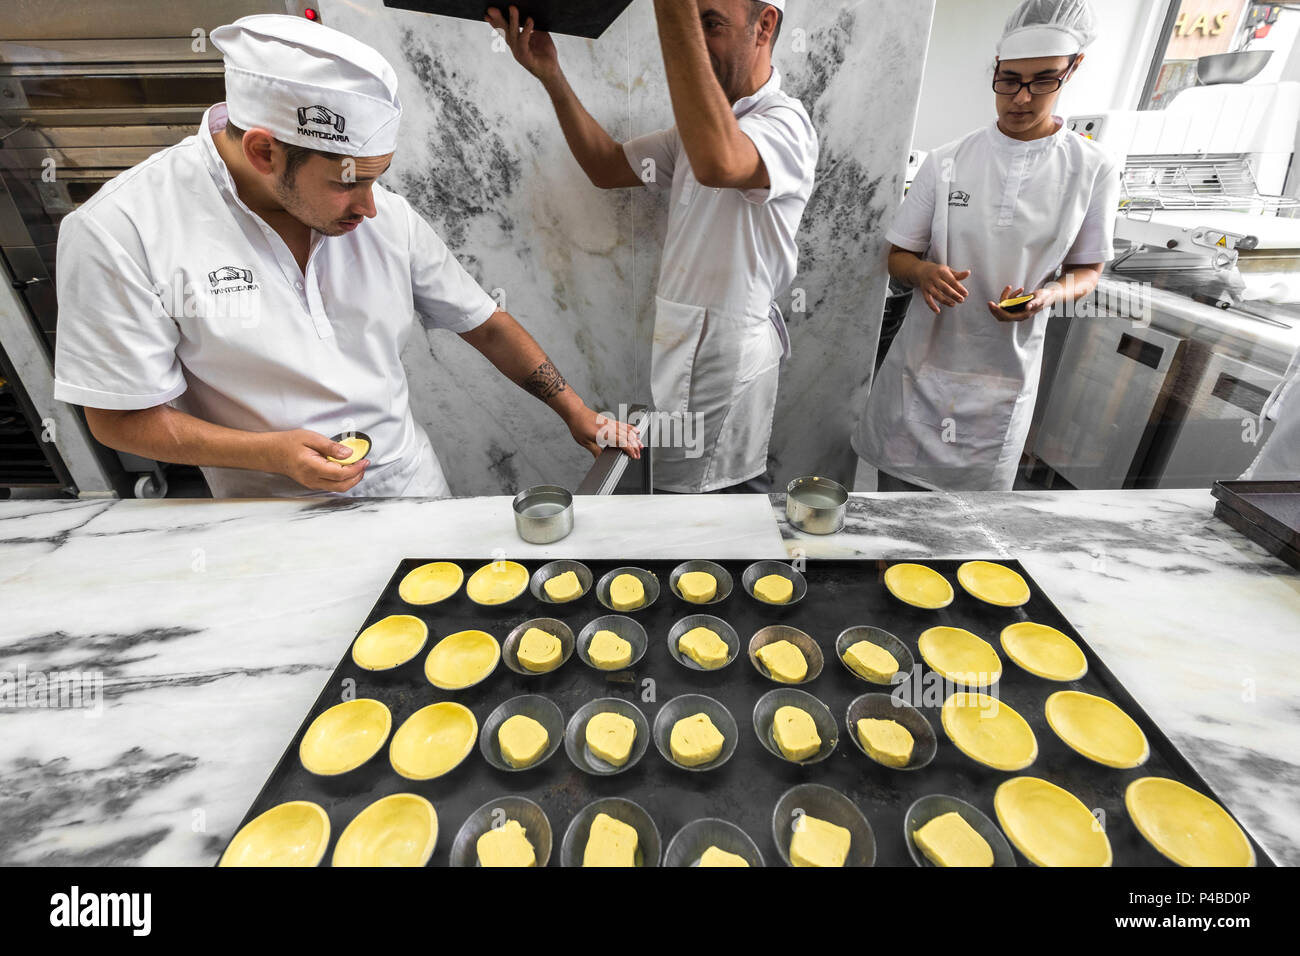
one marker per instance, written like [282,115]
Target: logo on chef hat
[959,197]
[312,116]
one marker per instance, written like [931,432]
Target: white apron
[1280,458]
[952,404]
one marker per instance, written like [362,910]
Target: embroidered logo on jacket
[959,197]
[231,279]
[321,116]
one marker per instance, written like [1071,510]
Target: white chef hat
[1048,28]
[309,85]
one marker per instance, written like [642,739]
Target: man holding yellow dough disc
[991,217]
[238,297]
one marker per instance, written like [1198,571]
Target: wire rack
[1203,182]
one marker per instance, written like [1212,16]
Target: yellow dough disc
[462,659]
[705,647]
[919,586]
[390,642]
[1049,825]
[397,830]
[610,842]
[431,583]
[506,845]
[359,448]
[290,834]
[433,741]
[872,662]
[1186,826]
[795,733]
[716,856]
[345,736]
[993,583]
[695,741]
[948,840]
[1097,728]
[610,737]
[608,651]
[522,740]
[539,651]
[988,731]
[1044,651]
[497,583]
[698,587]
[774,589]
[784,661]
[563,587]
[818,842]
[626,592]
[960,656]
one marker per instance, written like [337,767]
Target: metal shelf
[1205,182]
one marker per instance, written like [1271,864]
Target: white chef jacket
[719,338]
[1279,459]
[171,290]
[952,404]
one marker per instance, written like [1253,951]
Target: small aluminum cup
[624,627]
[649,583]
[715,624]
[824,803]
[925,743]
[720,574]
[575,736]
[936,805]
[553,570]
[540,709]
[370,449]
[562,631]
[543,514]
[537,828]
[633,814]
[816,505]
[761,569]
[881,638]
[686,848]
[800,639]
[765,716]
[685,706]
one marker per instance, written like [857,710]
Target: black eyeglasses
[1009,87]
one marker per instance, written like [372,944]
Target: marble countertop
[208,627]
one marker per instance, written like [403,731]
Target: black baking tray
[841,593]
[579,18]
[1272,505]
[1274,546]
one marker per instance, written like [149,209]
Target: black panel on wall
[580,18]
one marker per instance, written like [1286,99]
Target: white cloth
[728,254]
[1279,460]
[309,85]
[952,405]
[171,290]
[1039,28]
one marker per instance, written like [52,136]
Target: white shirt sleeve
[1096,239]
[787,143]
[445,295]
[653,158]
[116,345]
[914,223]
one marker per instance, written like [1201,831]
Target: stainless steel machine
[1162,382]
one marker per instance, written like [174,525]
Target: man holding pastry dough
[237,297]
[738,168]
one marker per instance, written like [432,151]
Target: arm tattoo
[545,382]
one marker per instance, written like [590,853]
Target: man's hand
[1042,299]
[598,432]
[304,456]
[534,50]
[940,285]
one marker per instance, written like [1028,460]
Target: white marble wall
[483,158]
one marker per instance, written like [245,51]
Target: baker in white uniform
[739,167]
[236,299]
[1279,460]
[990,216]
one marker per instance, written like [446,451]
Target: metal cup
[816,505]
[544,514]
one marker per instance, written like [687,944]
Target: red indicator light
[311,14]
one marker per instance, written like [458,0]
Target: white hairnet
[1048,28]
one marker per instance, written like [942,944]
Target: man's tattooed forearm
[545,382]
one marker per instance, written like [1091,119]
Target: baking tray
[1279,549]
[841,593]
[1272,505]
[579,18]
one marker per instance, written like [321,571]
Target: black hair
[294,156]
